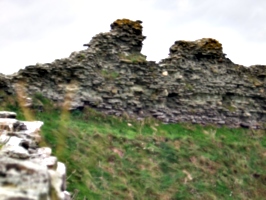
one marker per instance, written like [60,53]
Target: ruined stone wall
[28,171]
[196,83]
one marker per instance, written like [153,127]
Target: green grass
[109,75]
[120,158]
[133,58]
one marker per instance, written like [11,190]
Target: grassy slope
[108,158]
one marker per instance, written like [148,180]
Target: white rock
[247,114]
[61,169]
[6,122]
[13,141]
[57,182]
[50,162]
[67,195]
[32,172]
[44,152]
[4,137]
[165,73]
[33,126]
[7,114]
[15,152]
[31,180]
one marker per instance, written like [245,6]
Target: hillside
[122,158]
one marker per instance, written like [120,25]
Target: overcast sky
[40,31]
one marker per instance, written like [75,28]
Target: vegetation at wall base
[133,58]
[121,158]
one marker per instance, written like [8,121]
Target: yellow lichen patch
[209,43]
[204,45]
[123,22]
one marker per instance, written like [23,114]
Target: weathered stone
[195,80]
[23,180]
[203,48]
[27,171]
[15,152]
[6,114]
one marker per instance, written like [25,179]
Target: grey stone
[112,72]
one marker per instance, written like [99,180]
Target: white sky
[40,31]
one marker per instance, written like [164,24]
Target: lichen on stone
[209,43]
[127,24]
[205,47]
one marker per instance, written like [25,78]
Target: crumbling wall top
[205,47]
[127,25]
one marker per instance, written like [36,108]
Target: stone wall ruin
[28,171]
[196,83]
